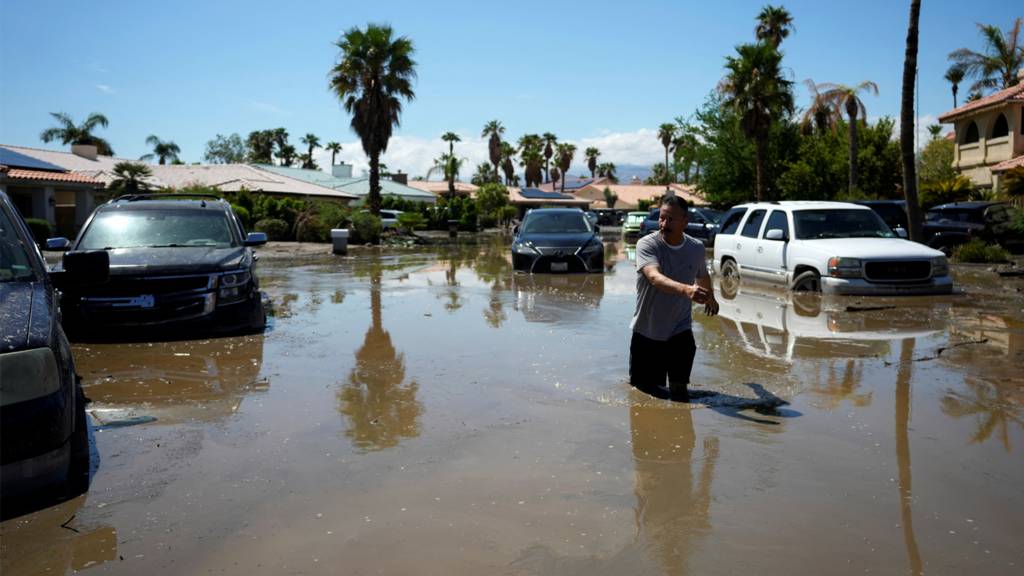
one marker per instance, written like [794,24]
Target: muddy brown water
[429,412]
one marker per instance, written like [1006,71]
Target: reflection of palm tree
[671,512]
[380,409]
[903,374]
[839,389]
[989,406]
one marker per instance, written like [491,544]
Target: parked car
[832,247]
[176,262]
[557,240]
[650,223]
[42,408]
[702,223]
[631,225]
[950,225]
[892,212]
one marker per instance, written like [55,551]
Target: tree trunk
[668,173]
[762,160]
[954,95]
[373,199]
[907,126]
[853,153]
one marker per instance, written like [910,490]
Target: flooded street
[430,412]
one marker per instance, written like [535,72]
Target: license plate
[559,266]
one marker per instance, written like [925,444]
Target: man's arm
[696,292]
[710,304]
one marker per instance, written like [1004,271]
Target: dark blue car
[557,240]
[702,225]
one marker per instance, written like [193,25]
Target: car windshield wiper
[166,246]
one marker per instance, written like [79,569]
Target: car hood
[26,316]
[186,260]
[870,248]
[557,240]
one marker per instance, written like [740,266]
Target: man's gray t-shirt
[658,315]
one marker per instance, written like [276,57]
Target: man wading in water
[671,276]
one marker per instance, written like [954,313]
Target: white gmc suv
[832,247]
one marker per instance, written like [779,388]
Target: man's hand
[697,293]
[711,307]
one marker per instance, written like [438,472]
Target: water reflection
[178,381]
[380,409]
[561,298]
[903,402]
[673,501]
[55,541]
[992,407]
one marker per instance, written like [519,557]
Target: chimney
[400,178]
[342,171]
[88,151]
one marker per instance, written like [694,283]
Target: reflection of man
[671,275]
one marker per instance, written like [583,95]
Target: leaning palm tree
[312,141]
[550,140]
[774,24]
[955,75]
[374,73]
[334,148]
[592,154]
[997,67]
[755,89]
[130,178]
[493,131]
[667,133]
[907,155]
[163,151]
[69,133]
[566,152]
[838,98]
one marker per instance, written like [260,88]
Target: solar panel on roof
[19,160]
[536,194]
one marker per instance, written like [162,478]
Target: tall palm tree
[69,133]
[312,141]
[531,158]
[566,152]
[334,148]
[607,170]
[667,133]
[508,153]
[493,131]
[955,75]
[163,151]
[373,75]
[549,149]
[451,138]
[592,154]
[907,125]
[997,67]
[130,177]
[286,154]
[774,24]
[755,89]
[838,98]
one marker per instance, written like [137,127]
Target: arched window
[1001,127]
[971,136]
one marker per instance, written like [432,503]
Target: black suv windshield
[955,215]
[556,223]
[811,224]
[15,260]
[157,228]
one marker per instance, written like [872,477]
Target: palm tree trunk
[853,153]
[954,95]
[373,199]
[668,176]
[907,125]
[762,160]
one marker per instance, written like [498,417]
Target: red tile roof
[1008,164]
[22,174]
[1011,94]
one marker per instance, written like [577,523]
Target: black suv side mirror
[82,268]
[256,239]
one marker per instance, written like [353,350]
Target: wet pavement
[429,412]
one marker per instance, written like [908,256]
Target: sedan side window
[753,225]
[731,223]
[777,220]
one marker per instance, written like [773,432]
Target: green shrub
[41,229]
[243,215]
[332,214]
[978,251]
[954,189]
[275,228]
[365,228]
[312,229]
[488,220]
[409,221]
[643,205]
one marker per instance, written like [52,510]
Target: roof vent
[341,170]
[88,151]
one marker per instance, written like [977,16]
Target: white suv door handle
[738,245]
[760,249]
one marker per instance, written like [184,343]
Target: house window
[972,133]
[1001,127]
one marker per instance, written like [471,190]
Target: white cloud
[105,89]
[268,108]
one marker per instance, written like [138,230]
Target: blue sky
[594,73]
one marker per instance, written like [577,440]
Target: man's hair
[677,201]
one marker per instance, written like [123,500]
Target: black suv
[949,225]
[892,212]
[175,261]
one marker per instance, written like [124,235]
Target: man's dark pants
[651,361]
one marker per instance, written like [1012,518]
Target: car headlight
[524,248]
[590,248]
[28,374]
[236,278]
[940,266]
[233,286]
[844,267]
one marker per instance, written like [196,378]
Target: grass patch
[977,251]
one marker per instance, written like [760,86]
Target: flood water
[430,412]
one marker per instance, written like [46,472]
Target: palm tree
[840,97]
[555,177]
[755,89]
[163,151]
[997,68]
[312,142]
[610,198]
[69,133]
[130,178]
[907,125]
[774,24]
[449,165]
[531,158]
[493,131]
[286,154]
[566,152]
[549,149]
[607,170]
[955,75]
[451,138]
[484,174]
[667,133]
[373,75]
[508,152]
[334,148]
[592,155]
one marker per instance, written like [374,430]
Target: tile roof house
[630,194]
[341,180]
[46,191]
[440,188]
[989,135]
